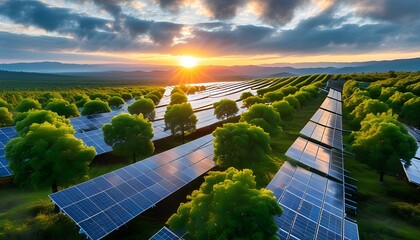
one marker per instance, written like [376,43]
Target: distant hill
[280,75]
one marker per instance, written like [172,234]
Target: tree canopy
[115,101]
[273,96]
[3,103]
[263,116]
[283,108]
[129,135]
[249,101]
[293,101]
[178,98]
[143,106]
[180,118]
[368,106]
[382,141]
[28,104]
[245,95]
[228,206]
[63,108]
[6,118]
[25,120]
[225,108]
[48,155]
[95,106]
[240,145]
[411,111]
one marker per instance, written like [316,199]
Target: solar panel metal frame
[318,157]
[332,105]
[325,135]
[6,134]
[328,119]
[336,95]
[103,204]
[312,205]
[351,231]
[165,234]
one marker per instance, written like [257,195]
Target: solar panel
[336,95]
[332,105]
[103,204]
[6,133]
[313,206]
[317,157]
[350,230]
[412,171]
[328,136]
[327,119]
[165,234]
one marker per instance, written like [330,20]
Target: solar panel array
[320,158]
[328,136]
[327,119]
[412,170]
[332,105]
[313,206]
[103,204]
[165,234]
[334,94]
[6,134]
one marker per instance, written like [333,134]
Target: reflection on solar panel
[328,136]
[92,122]
[327,119]
[412,171]
[313,206]
[334,94]
[317,157]
[165,234]
[6,134]
[103,204]
[332,105]
[350,231]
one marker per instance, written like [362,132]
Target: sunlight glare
[188,61]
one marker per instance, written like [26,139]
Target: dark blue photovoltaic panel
[412,170]
[317,157]
[332,105]
[313,205]
[327,119]
[101,205]
[6,133]
[350,231]
[336,95]
[328,136]
[165,234]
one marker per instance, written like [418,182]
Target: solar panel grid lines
[165,234]
[6,134]
[101,205]
[313,205]
[332,105]
[327,119]
[318,157]
[336,95]
[351,231]
[325,135]
[412,170]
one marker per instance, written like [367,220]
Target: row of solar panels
[89,128]
[314,205]
[412,170]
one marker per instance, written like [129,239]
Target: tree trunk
[381,176]
[54,189]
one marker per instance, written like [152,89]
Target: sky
[217,32]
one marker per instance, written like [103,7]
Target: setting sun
[188,61]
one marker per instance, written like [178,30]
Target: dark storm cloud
[278,12]
[171,5]
[389,10]
[222,9]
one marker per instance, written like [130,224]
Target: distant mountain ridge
[133,71]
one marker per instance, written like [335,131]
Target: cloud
[222,9]
[171,5]
[277,12]
[389,10]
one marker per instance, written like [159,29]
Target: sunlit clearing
[188,61]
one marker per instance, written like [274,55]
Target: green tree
[63,108]
[225,108]
[397,100]
[48,155]
[228,206]
[129,135]
[381,142]
[249,101]
[283,107]
[178,98]
[6,118]
[80,102]
[273,96]
[143,106]
[5,104]
[28,104]
[289,90]
[411,111]
[25,120]
[355,99]
[153,97]
[180,118]
[246,95]
[293,101]
[263,116]
[303,97]
[115,101]
[368,106]
[126,96]
[240,145]
[95,106]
